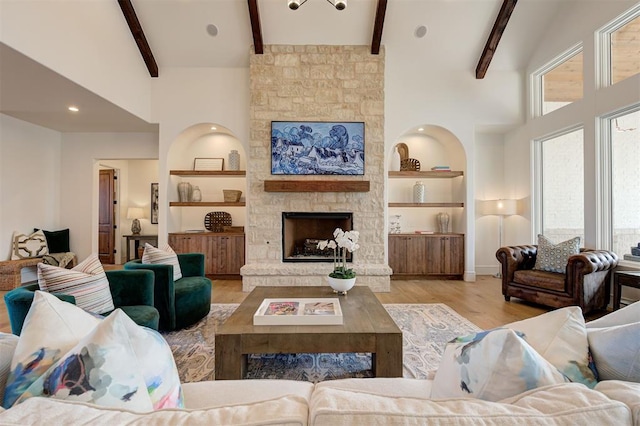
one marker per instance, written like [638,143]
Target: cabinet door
[228,254]
[398,254]
[193,244]
[445,255]
[407,254]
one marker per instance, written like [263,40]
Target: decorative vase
[234,160]
[395,160]
[443,222]
[184,192]
[341,285]
[418,192]
[196,195]
[394,224]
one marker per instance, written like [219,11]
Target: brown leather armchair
[586,282]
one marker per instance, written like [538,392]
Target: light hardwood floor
[480,302]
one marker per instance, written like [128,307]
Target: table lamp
[135,213]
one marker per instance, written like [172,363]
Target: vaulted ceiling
[218,33]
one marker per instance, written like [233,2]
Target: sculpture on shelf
[185,191]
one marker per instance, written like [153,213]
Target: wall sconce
[500,208]
[135,213]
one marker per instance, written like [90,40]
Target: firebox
[301,232]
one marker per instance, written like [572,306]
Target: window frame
[537,81]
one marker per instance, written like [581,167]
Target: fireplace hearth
[301,232]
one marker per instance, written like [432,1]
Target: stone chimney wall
[314,83]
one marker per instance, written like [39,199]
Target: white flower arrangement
[342,243]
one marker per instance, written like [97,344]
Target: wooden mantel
[316,186]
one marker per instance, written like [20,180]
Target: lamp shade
[135,213]
[500,207]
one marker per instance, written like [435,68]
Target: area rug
[425,330]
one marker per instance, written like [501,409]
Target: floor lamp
[500,208]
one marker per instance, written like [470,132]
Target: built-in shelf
[206,204]
[205,173]
[427,174]
[426,204]
[316,186]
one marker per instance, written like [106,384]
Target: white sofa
[377,401]
[559,336]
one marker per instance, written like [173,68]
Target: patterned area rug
[425,330]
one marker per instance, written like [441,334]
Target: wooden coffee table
[367,328]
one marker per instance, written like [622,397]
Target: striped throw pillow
[87,282]
[164,256]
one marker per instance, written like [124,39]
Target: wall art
[154,203]
[317,148]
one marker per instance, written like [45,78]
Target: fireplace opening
[301,232]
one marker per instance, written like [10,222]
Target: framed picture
[208,163]
[317,148]
[154,203]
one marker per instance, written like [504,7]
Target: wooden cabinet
[424,256]
[223,252]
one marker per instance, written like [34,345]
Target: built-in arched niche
[432,146]
[204,141]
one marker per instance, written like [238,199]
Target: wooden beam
[254,15]
[138,35]
[377,27]
[494,38]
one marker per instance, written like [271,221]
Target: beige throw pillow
[164,256]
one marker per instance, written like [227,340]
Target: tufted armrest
[590,261]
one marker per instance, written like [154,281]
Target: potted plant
[342,279]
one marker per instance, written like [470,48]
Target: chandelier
[338,4]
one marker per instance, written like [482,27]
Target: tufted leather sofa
[585,283]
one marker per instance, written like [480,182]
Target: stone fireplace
[315,83]
[301,232]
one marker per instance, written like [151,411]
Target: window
[559,83]
[560,186]
[623,140]
[620,47]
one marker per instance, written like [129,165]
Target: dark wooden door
[106,217]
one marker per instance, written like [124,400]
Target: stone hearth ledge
[375,276]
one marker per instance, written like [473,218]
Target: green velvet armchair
[183,302]
[132,291]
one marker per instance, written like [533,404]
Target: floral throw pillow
[491,365]
[554,257]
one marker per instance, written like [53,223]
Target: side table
[620,278]
[138,238]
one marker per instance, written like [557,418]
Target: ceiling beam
[377,27]
[494,38]
[138,35]
[254,15]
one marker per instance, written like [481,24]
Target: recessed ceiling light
[421,129]
[74,108]
[214,128]
[212,30]
[421,31]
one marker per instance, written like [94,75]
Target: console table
[620,278]
[137,239]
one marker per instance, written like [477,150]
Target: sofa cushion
[568,403]
[491,365]
[24,246]
[560,337]
[87,282]
[218,393]
[628,393]
[616,351]
[8,343]
[628,314]
[397,387]
[554,257]
[288,410]
[164,256]
[541,279]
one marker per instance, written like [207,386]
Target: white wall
[81,155]
[88,42]
[29,179]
